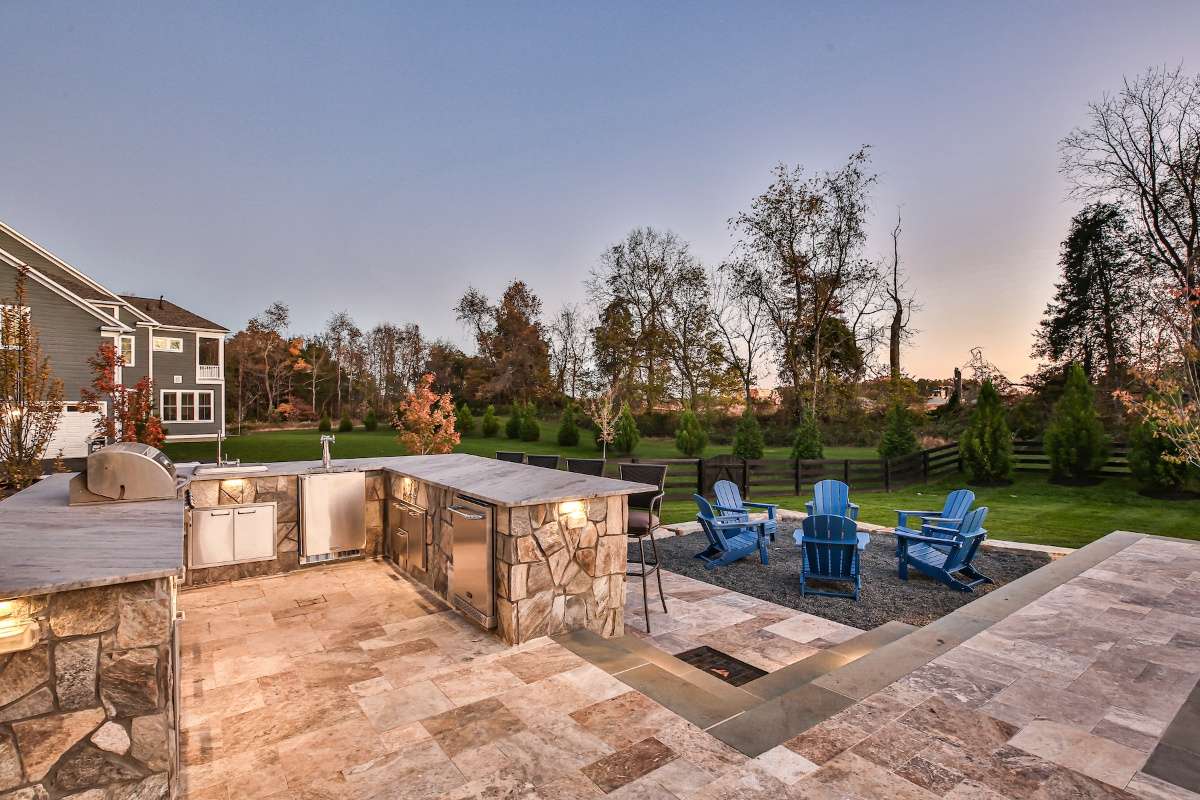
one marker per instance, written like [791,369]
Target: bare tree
[1141,147]
[739,316]
[340,335]
[901,303]
[568,335]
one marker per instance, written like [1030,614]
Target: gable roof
[166,313]
[54,268]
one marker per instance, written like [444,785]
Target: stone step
[806,670]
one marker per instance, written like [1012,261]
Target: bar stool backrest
[549,462]
[507,455]
[644,473]
[586,466]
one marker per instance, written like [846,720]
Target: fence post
[887,475]
[925,466]
[700,476]
[746,476]
[846,471]
[797,477]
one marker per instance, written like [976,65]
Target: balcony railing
[208,372]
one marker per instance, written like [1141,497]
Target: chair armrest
[940,529]
[730,509]
[908,535]
[733,523]
[914,513]
[656,505]
[768,506]
[936,520]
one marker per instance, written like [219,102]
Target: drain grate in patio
[721,665]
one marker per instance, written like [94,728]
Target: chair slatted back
[730,496]
[510,456]
[970,536]
[830,545]
[958,503]
[707,514]
[586,466]
[549,462]
[831,497]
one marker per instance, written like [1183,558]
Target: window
[10,321]
[208,359]
[127,351]
[187,406]
[168,344]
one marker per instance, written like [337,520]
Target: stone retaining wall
[89,711]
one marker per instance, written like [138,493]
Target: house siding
[169,365]
[68,334]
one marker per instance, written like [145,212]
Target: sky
[380,157]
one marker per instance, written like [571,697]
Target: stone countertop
[499,482]
[49,546]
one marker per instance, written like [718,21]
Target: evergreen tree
[899,439]
[345,425]
[1153,472]
[465,420]
[512,428]
[807,443]
[690,437]
[626,436]
[491,425]
[1074,439]
[986,445]
[568,431]
[326,423]
[1092,317]
[531,431]
[748,437]
[370,421]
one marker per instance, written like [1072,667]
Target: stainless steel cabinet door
[212,536]
[254,533]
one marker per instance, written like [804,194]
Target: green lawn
[1031,510]
[294,445]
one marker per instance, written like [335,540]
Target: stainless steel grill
[123,472]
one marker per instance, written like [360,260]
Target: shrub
[626,436]
[512,428]
[466,420]
[568,431]
[370,421]
[807,443]
[899,439]
[690,438]
[530,430]
[344,424]
[491,425]
[986,446]
[1074,440]
[326,424]
[748,438]
[1154,473]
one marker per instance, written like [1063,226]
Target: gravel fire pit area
[917,601]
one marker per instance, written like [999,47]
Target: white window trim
[6,308]
[179,405]
[220,358]
[132,361]
[155,339]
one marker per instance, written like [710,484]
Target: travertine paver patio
[348,682]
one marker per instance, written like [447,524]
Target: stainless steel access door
[474,575]
[332,512]
[406,524]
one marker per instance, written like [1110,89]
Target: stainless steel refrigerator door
[474,574]
[333,512]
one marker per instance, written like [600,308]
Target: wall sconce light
[574,512]
[17,632]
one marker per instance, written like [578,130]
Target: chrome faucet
[221,460]
[326,440]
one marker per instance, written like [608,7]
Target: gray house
[182,353]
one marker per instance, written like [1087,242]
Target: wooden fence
[1030,456]
[774,477]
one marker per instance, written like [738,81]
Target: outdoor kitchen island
[525,550]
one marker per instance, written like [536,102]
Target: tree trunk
[894,340]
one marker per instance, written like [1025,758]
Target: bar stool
[644,518]
[549,462]
[586,466]
[508,455]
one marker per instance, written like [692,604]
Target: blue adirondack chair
[831,497]
[829,552]
[729,539]
[955,508]
[730,503]
[944,554]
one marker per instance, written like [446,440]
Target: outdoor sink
[214,469]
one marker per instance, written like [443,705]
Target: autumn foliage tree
[30,395]
[426,420]
[130,410]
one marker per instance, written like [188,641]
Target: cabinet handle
[219,513]
[248,511]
